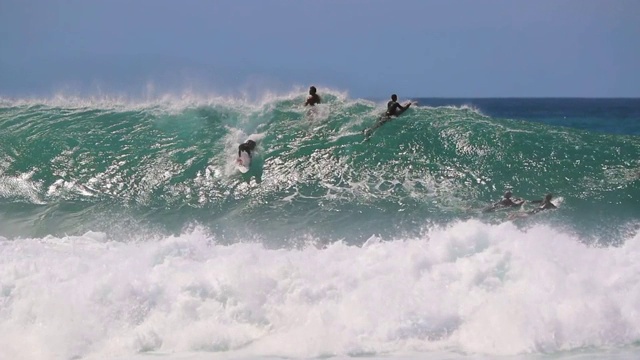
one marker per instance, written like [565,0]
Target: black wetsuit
[510,202]
[392,107]
[504,203]
[244,147]
[546,205]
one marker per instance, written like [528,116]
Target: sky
[421,48]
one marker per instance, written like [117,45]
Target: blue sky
[422,48]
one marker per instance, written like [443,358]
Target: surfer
[545,204]
[245,152]
[313,97]
[394,109]
[505,202]
[247,147]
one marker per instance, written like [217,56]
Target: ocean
[126,231]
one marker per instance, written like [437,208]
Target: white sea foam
[470,288]
[21,186]
[174,101]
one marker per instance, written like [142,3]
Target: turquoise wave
[67,167]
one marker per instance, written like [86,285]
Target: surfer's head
[312,90]
[548,197]
[394,97]
[507,194]
[252,144]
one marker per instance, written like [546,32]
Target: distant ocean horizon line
[518,97]
[23,96]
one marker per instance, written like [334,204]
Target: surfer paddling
[545,204]
[507,201]
[394,109]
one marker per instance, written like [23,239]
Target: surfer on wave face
[546,204]
[506,202]
[393,110]
[313,97]
[247,146]
[393,106]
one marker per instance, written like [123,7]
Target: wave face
[125,230]
[70,166]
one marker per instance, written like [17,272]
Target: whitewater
[126,232]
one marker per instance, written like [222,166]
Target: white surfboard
[243,163]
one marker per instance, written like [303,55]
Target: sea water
[126,232]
